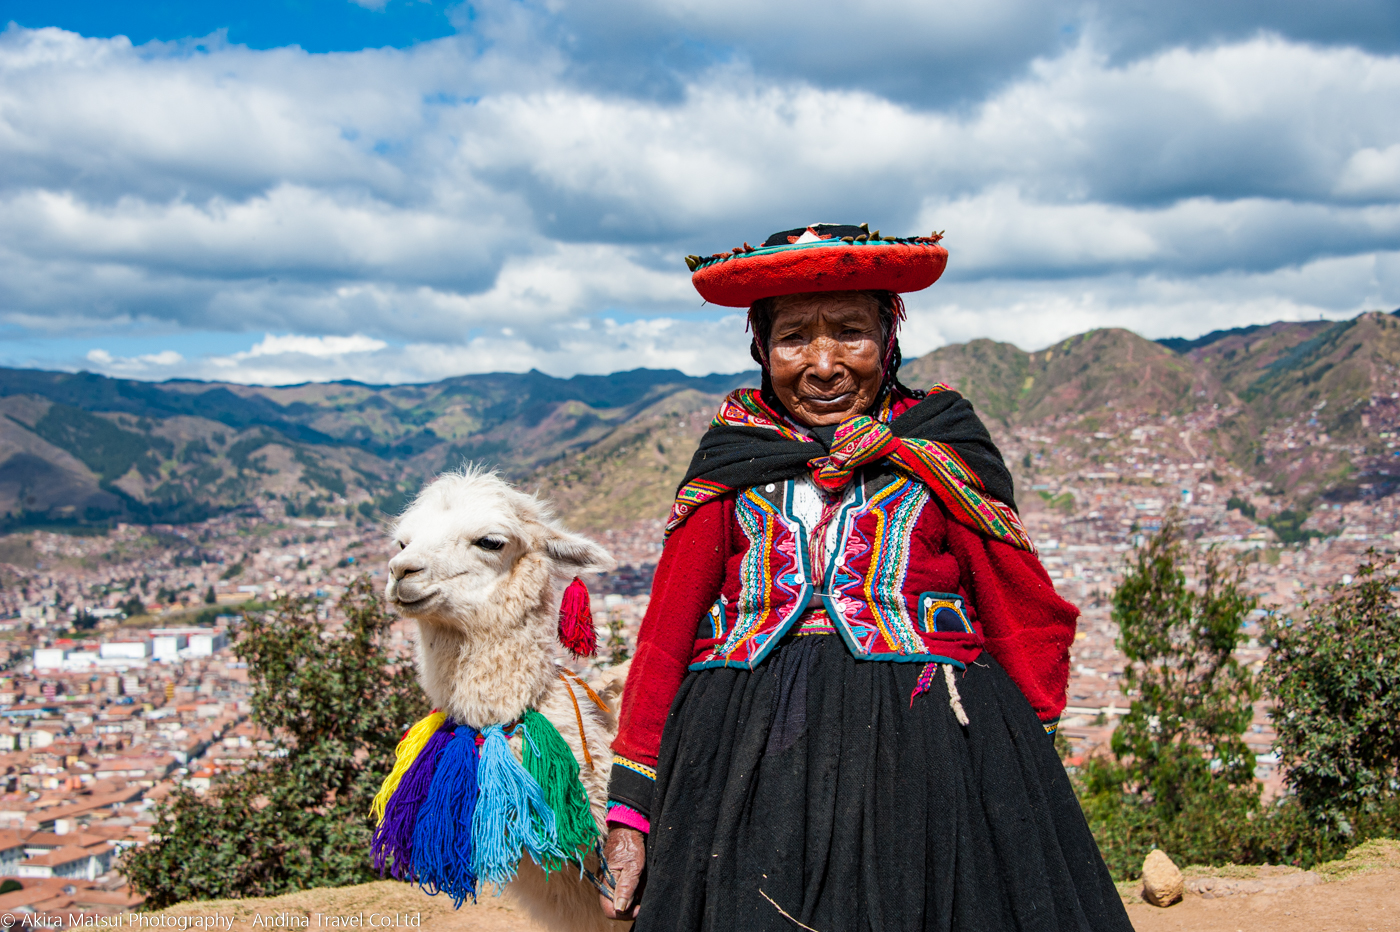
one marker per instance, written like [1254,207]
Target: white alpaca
[482,568]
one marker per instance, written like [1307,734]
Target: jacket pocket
[942,613]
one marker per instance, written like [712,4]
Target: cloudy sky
[401,190]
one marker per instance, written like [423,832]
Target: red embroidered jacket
[1006,593]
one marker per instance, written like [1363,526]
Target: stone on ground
[1162,883]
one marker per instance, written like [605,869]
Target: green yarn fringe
[548,758]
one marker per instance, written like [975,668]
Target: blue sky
[401,190]
[314,25]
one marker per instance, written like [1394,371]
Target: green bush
[1336,681]
[1181,776]
[337,704]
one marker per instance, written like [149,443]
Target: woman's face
[824,355]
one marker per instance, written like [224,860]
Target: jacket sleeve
[1028,627]
[687,583]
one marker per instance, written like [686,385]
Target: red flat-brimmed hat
[820,257]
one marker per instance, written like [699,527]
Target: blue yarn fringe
[511,815]
[442,836]
[465,809]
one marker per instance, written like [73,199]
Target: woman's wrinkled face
[825,354]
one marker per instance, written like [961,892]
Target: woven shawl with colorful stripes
[938,441]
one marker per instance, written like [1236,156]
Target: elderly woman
[841,709]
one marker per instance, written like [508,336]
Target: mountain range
[1305,407]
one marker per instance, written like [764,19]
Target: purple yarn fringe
[393,839]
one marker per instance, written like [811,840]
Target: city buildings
[118,681]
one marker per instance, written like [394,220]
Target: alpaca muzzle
[406,586]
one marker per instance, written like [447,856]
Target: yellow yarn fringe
[404,756]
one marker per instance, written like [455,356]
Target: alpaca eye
[490,543]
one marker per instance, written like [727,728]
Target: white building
[205,645]
[69,861]
[125,650]
[35,738]
[49,658]
[81,659]
[11,851]
[167,647]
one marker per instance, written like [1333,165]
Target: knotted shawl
[938,441]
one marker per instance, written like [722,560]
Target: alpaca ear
[578,554]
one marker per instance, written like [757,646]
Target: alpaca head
[479,567]
[471,546]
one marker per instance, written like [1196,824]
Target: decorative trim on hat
[818,259]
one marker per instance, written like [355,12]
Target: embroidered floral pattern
[773,583]
[867,588]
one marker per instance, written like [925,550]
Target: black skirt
[810,786]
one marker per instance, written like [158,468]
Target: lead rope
[597,700]
[578,713]
[605,880]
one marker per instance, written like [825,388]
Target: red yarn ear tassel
[576,630]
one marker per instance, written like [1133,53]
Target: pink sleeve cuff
[628,817]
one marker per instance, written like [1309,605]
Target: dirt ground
[1360,893]
[1362,903]
[385,904]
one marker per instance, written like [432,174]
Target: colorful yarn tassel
[459,808]
[404,755]
[576,630]
[511,815]
[950,680]
[924,683]
[551,762]
[393,839]
[442,836]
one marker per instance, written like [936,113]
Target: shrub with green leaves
[1191,699]
[1181,774]
[1181,777]
[1335,677]
[337,703]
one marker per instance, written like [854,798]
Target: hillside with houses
[119,683]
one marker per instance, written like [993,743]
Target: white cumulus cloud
[492,200]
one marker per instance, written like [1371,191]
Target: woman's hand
[626,852]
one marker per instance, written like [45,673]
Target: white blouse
[807,501]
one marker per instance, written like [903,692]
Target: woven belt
[813,621]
